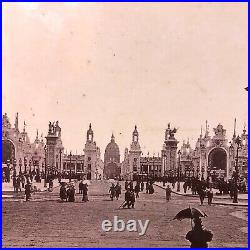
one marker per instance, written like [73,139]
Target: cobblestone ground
[46,222]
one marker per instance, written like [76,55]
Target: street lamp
[238,142]
[20,166]
[25,165]
[8,170]
[60,152]
[70,155]
[179,165]
[45,166]
[14,166]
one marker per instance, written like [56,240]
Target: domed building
[112,168]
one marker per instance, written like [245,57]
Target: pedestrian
[112,191]
[137,189]
[132,199]
[50,185]
[210,196]
[127,201]
[185,187]
[28,191]
[71,193]
[142,186]
[147,187]
[22,180]
[63,193]
[131,186]
[118,190]
[18,184]
[126,185]
[199,236]
[85,192]
[168,193]
[151,188]
[202,195]
[80,187]
[14,184]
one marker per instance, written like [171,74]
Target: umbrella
[111,181]
[190,213]
[86,182]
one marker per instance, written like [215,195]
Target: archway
[8,151]
[217,161]
[111,170]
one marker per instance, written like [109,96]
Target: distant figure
[126,185]
[142,186]
[185,187]
[202,195]
[168,193]
[112,191]
[131,186]
[71,194]
[28,191]
[14,184]
[118,190]
[18,184]
[85,192]
[199,236]
[63,193]
[147,187]
[80,187]
[132,199]
[137,189]
[151,188]
[127,199]
[210,196]
[22,180]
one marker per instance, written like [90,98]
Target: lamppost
[45,166]
[70,155]
[8,170]
[25,165]
[238,142]
[20,166]
[14,167]
[60,152]
[179,165]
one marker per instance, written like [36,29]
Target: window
[89,158]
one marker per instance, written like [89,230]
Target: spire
[244,129]
[234,135]
[201,132]
[16,122]
[112,137]
[90,134]
[24,126]
[135,135]
[36,134]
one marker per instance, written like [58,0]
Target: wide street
[46,222]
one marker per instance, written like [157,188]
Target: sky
[118,65]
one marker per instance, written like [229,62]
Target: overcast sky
[120,64]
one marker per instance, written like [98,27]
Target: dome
[112,152]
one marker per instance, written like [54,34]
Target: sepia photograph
[125,125]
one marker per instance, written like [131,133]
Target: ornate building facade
[215,155]
[93,165]
[112,165]
[17,150]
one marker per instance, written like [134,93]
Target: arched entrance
[8,151]
[217,161]
[111,171]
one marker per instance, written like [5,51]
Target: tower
[169,152]
[90,154]
[134,154]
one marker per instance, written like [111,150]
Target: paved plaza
[46,222]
